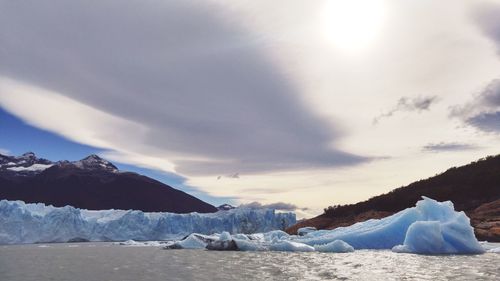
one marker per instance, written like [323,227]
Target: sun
[353,25]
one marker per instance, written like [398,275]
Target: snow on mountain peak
[32,168]
[25,164]
[28,163]
[94,162]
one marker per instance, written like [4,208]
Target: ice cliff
[33,223]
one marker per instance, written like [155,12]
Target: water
[104,261]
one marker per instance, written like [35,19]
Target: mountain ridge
[90,183]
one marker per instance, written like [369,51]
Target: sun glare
[352,25]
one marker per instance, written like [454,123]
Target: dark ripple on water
[103,261]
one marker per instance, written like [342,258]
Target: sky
[302,103]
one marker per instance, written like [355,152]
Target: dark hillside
[91,183]
[468,187]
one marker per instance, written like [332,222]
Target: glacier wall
[33,223]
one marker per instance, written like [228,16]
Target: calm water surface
[104,261]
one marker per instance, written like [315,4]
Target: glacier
[36,223]
[431,227]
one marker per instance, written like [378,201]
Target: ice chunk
[290,246]
[494,250]
[249,245]
[337,246]
[129,242]
[225,236]
[193,241]
[134,243]
[240,236]
[275,235]
[305,230]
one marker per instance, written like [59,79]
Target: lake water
[105,261]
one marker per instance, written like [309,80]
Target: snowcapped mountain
[91,183]
[91,162]
[24,165]
[29,164]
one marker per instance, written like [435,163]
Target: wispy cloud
[486,16]
[483,111]
[448,146]
[4,151]
[408,104]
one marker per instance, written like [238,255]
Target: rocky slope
[486,221]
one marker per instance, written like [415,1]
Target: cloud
[418,104]
[231,176]
[447,146]
[4,151]
[170,85]
[483,112]
[487,122]
[487,17]
[277,206]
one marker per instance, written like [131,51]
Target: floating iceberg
[34,223]
[132,243]
[429,228]
[337,246]
[193,241]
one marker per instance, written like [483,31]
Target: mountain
[473,188]
[91,183]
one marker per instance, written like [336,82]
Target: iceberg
[337,246]
[192,242]
[132,243]
[37,223]
[431,227]
[290,246]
